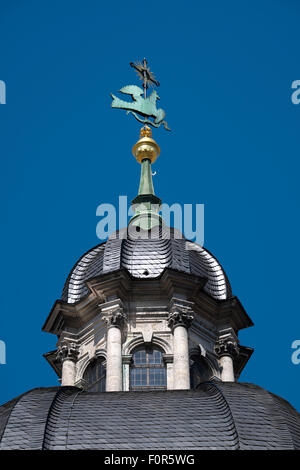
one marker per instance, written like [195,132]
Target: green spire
[146,204]
[146,183]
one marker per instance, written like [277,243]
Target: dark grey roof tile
[216,416]
[147,259]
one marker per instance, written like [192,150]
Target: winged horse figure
[145,107]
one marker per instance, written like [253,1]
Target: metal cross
[145,74]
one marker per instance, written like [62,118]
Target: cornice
[129,289]
[233,312]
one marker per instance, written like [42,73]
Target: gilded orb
[146,147]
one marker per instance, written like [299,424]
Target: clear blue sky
[226,70]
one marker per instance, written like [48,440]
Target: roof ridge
[54,414]
[214,385]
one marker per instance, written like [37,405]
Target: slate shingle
[215,416]
[147,259]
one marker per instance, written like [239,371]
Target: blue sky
[225,70]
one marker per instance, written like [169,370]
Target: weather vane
[142,108]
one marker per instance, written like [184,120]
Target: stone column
[227,349]
[179,321]
[67,353]
[114,377]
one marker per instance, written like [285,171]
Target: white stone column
[227,373]
[114,374]
[114,360]
[68,372]
[179,321]
[181,365]
[226,349]
[67,353]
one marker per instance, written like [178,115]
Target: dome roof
[215,416]
[147,258]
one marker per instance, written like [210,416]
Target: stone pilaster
[126,359]
[114,317]
[168,361]
[226,350]
[179,320]
[67,353]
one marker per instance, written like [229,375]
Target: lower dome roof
[215,416]
[147,258]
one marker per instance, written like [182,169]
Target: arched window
[200,371]
[95,376]
[147,369]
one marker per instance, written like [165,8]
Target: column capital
[227,347]
[180,316]
[67,351]
[113,313]
[114,317]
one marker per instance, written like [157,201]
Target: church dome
[151,358]
[147,258]
[228,416]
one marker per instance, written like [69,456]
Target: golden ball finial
[146,147]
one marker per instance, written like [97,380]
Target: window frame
[100,361]
[148,366]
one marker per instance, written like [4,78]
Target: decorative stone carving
[227,347]
[67,351]
[180,316]
[115,317]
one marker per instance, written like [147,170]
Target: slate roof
[147,258]
[215,416]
